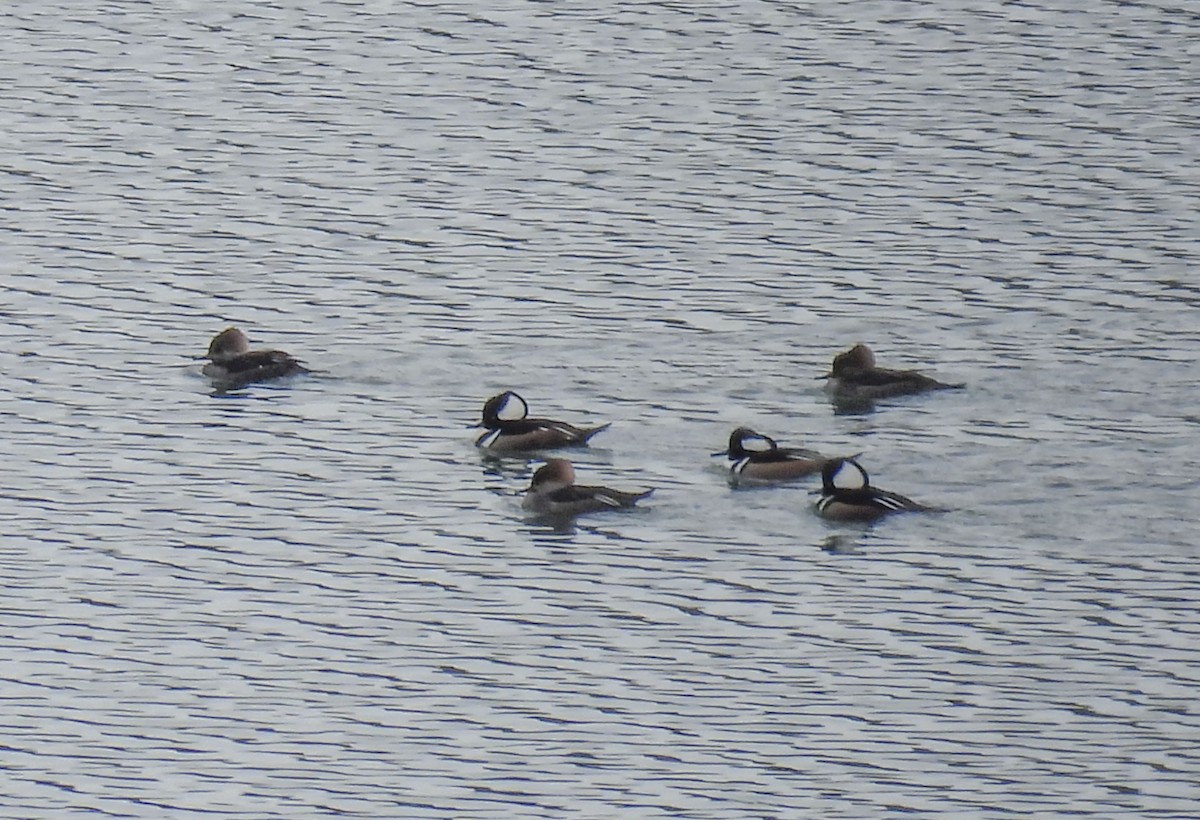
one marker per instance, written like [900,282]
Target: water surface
[317,598]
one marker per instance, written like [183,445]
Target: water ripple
[670,218]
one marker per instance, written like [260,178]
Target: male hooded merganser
[757,457]
[235,365]
[847,494]
[554,492]
[508,429]
[854,379]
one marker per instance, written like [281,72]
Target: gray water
[317,599]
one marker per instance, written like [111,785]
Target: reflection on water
[672,219]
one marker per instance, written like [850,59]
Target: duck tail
[587,434]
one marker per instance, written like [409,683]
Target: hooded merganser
[758,458]
[235,365]
[855,379]
[508,429]
[847,494]
[553,491]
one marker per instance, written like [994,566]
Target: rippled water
[317,599]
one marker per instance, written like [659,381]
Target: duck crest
[845,474]
[752,442]
[511,407]
[859,357]
[228,343]
[556,471]
[744,442]
[507,406]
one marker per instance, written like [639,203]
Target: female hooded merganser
[554,492]
[508,429]
[757,457]
[847,494]
[854,379]
[235,365]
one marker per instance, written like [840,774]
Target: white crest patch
[757,444]
[849,476]
[512,408]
